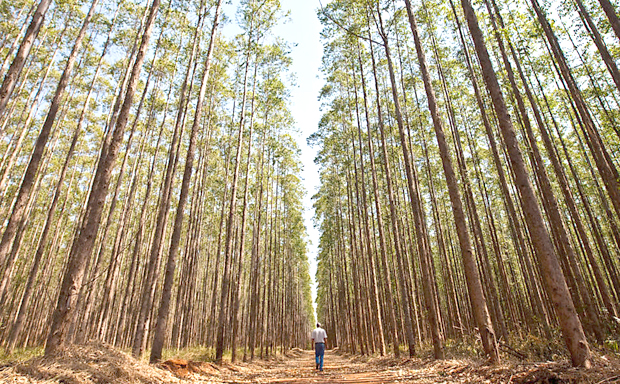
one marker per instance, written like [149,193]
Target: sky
[302,30]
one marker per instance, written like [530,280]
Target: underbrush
[206,354]
[518,348]
[20,354]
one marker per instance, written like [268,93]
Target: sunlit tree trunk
[478,300]
[12,75]
[17,215]
[82,247]
[554,279]
[422,247]
[150,280]
[610,11]
[228,242]
[162,318]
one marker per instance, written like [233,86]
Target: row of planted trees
[469,174]
[149,183]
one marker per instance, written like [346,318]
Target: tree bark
[164,308]
[83,245]
[228,242]
[17,215]
[393,214]
[600,44]
[610,11]
[423,251]
[148,285]
[391,316]
[474,284]
[548,261]
[10,79]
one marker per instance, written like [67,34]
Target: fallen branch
[508,349]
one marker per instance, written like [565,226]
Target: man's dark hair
[318,325]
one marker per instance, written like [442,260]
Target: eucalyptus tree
[505,239]
[258,17]
[12,75]
[123,271]
[413,189]
[17,214]
[476,293]
[162,318]
[19,320]
[598,40]
[24,13]
[84,242]
[612,16]
[270,115]
[150,279]
[548,261]
[391,313]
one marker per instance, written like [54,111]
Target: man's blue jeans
[319,351]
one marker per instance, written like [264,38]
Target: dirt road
[299,369]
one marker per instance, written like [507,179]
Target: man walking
[318,338]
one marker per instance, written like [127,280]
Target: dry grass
[605,369]
[95,363]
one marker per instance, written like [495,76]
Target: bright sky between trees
[302,31]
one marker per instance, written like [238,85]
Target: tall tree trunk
[474,284]
[8,84]
[516,230]
[423,250]
[228,242]
[9,160]
[561,176]
[164,308]
[371,267]
[9,54]
[548,261]
[610,11]
[148,285]
[382,240]
[83,245]
[254,294]
[603,162]
[409,334]
[598,41]
[17,215]
[139,237]
[42,242]
[235,299]
[568,196]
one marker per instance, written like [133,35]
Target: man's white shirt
[319,335]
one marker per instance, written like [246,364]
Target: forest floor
[99,363]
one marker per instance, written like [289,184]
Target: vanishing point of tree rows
[469,176]
[149,182]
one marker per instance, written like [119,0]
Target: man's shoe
[317,367]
